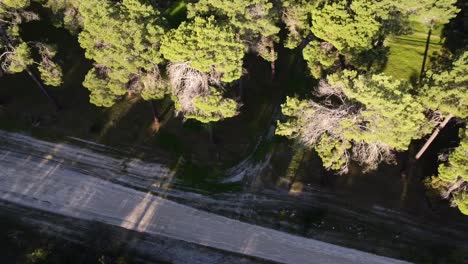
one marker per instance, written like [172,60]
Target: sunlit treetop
[124,40]
[16,3]
[249,17]
[368,118]
[319,56]
[347,27]
[212,107]
[436,12]
[296,15]
[206,46]
[123,36]
[390,114]
[447,90]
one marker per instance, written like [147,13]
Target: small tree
[202,55]
[65,13]
[17,56]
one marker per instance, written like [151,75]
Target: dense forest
[360,108]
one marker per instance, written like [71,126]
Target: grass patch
[177,8]
[205,178]
[176,13]
[407,52]
[263,149]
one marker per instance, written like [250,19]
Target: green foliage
[251,18]
[333,152]
[206,46]
[65,13]
[51,73]
[389,114]
[319,57]
[290,108]
[17,54]
[154,90]
[16,3]
[347,27]
[304,123]
[20,59]
[461,201]
[266,49]
[455,173]
[457,166]
[376,115]
[37,256]
[296,15]
[104,92]
[447,91]
[213,107]
[436,12]
[124,38]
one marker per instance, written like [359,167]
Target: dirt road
[45,183]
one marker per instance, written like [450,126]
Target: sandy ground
[44,182]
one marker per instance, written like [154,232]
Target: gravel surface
[44,182]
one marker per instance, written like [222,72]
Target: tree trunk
[433,136]
[453,187]
[156,120]
[272,64]
[155,114]
[423,66]
[211,133]
[241,86]
[273,70]
[43,90]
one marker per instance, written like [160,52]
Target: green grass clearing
[407,52]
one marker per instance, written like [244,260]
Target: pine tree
[206,47]
[254,20]
[203,56]
[123,39]
[346,27]
[446,91]
[365,118]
